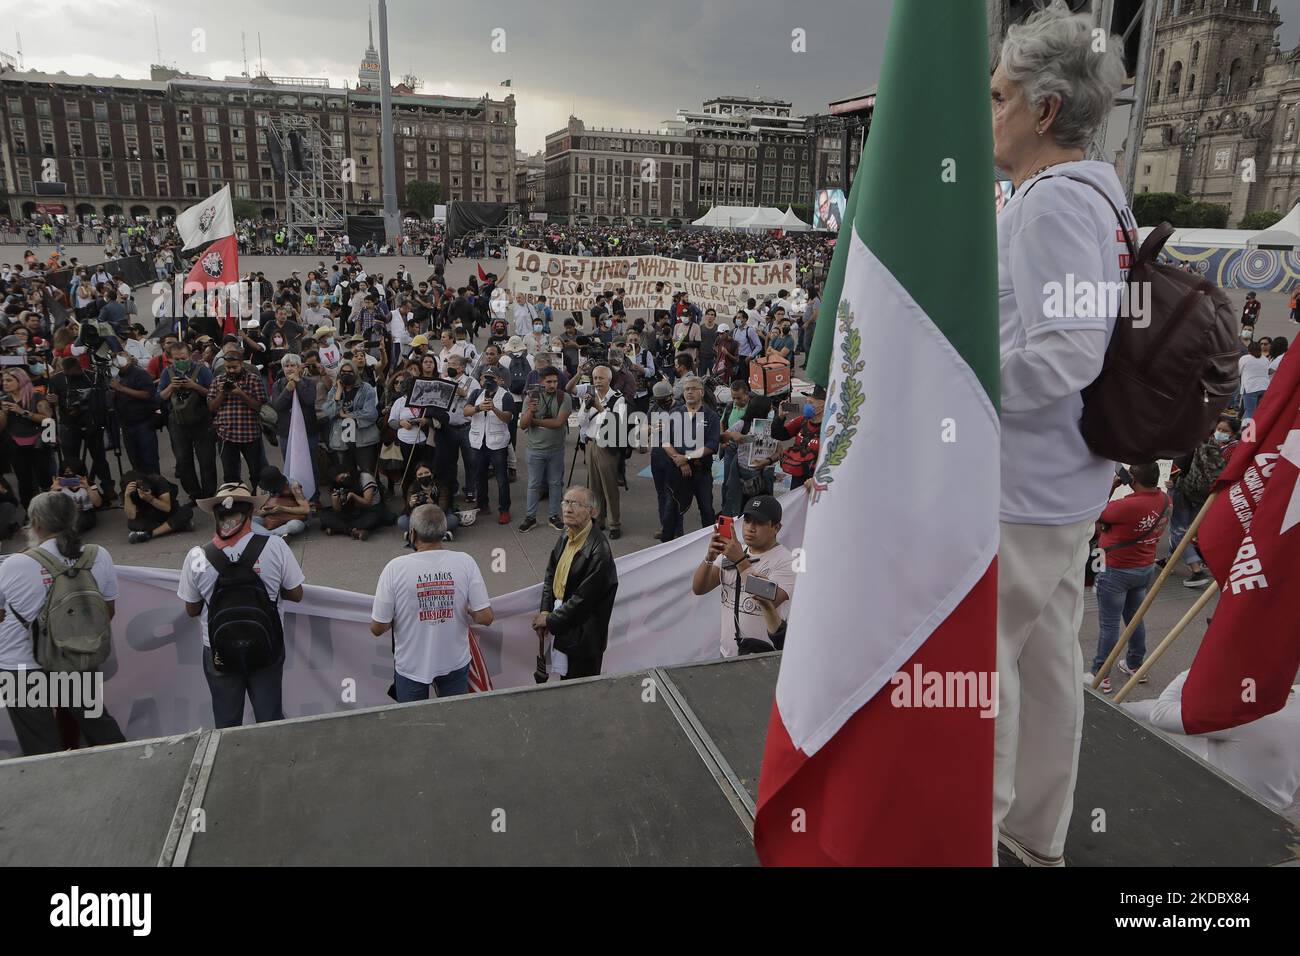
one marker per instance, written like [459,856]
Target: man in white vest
[489,410]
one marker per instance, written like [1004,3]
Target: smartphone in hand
[725,526]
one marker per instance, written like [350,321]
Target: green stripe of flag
[934,232]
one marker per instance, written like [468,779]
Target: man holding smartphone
[732,560]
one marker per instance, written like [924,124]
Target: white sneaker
[1125,669]
[1027,856]
[1105,683]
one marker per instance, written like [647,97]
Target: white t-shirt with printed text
[23,586]
[776,565]
[428,597]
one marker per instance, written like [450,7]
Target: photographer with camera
[754,574]
[490,410]
[184,386]
[545,422]
[82,405]
[236,400]
[602,423]
[152,509]
[422,488]
[355,506]
[352,408]
[134,398]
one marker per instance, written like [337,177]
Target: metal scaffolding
[315,194]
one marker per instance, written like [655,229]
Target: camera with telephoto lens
[596,355]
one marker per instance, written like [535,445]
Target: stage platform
[654,768]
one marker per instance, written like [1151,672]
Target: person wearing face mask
[352,408]
[355,506]
[1193,479]
[422,488]
[23,413]
[84,494]
[184,386]
[430,623]
[269,558]
[747,342]
[781,343]
[412,424]
[329,349]
[537,342]
[135,400]
[800,459]
[235,400]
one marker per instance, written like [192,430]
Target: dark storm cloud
[629,63]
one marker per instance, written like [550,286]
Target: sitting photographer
[355,507]
[286,509]
[152,510]
[764,571]
[84,494]
[422,489]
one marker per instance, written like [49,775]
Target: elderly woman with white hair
[1050,92]
[294,381]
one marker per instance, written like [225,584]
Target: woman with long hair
[23,414]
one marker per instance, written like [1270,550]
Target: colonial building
[1222,108]
[81,145]
[619,173]
[530,181]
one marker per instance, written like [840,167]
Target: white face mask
[122,361]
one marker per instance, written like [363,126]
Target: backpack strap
[1123,228]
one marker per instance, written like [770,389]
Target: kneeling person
[152,509]
[242,624]
[429,599]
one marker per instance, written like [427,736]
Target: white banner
[570,283]
[154,680]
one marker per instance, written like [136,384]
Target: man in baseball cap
[757,577]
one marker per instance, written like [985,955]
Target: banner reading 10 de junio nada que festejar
[570,283]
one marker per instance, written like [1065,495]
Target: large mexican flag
[878,752]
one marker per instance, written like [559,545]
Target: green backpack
[73,630]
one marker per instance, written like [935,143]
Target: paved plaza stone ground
[352,565]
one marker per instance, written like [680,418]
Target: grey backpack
[73,630]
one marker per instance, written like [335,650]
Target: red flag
[482,276]
[1250,540]
[215,270]
[479,678]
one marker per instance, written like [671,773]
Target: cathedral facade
[1223,104]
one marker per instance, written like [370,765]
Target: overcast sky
[621,63]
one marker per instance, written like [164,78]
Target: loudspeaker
[276,153]
[295,151]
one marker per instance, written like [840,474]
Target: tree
[1203,215]
[1259,220]
[1151,209]
[245,209]
[421,197]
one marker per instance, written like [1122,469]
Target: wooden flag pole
[1167,570]
[1164,645]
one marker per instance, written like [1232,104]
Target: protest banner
[570,283]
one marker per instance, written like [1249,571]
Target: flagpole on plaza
[1177,553]
[1164,645]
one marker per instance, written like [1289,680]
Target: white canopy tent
[792,223]
[741,217]
[1285,234]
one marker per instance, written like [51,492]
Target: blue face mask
[37,369]
[808,410]
[1222,436]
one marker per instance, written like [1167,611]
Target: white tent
[792,223]
[1283,235]
[735,217]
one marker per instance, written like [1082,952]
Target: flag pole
[1164,645]
[1167,570]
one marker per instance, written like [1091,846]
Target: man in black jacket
[579,588]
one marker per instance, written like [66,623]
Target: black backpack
[244,629]
[519,369]
[1164,383]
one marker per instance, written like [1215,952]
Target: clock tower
[368,75]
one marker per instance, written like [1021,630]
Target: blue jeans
[1180,517]
[545,468]
[1121,591]
[1250,402]
[448,685]
[670,515]
[228,690]
[495,458]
